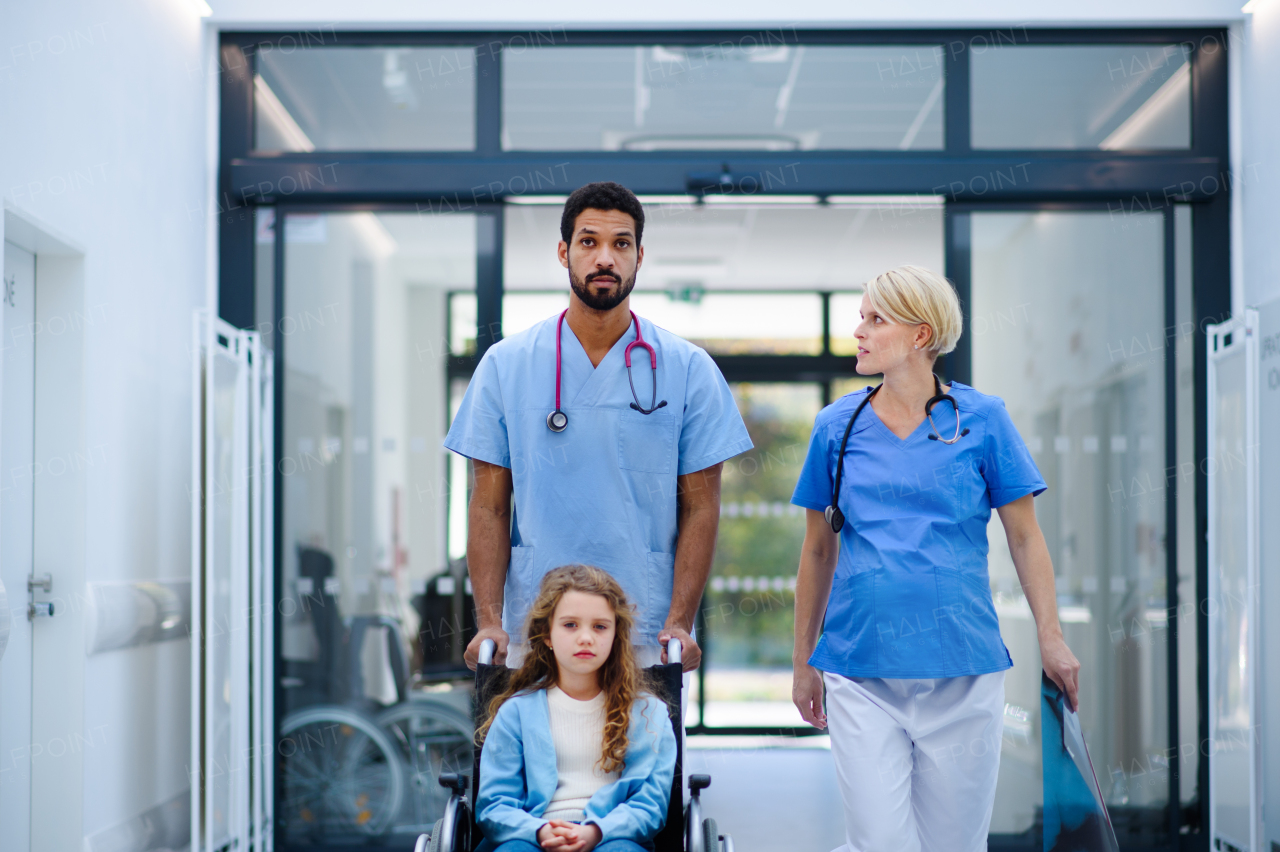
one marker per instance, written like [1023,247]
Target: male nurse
[609,433]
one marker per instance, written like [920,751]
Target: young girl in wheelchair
[576,755]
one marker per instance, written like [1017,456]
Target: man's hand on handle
[690,654]
[499,637]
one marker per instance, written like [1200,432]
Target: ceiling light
[760,199]
[536,199]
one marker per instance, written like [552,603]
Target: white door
[17,442]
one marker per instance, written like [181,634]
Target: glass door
[1068,325]
[771,289]
[374,700]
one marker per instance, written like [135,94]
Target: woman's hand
[806,692]
[1035,572]
[565,836]
[1061,666]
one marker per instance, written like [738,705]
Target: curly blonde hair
[621,679]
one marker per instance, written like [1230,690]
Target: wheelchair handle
[674,650]
[487,649]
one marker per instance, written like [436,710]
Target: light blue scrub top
[603,491]
[911,596]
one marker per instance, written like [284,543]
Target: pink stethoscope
[558,420]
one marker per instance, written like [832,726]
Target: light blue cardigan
[518,774]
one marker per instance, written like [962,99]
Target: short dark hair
[603,195]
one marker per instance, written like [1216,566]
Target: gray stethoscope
[558,420]
[833,514]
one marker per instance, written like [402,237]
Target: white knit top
[577,730]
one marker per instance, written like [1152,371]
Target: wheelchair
[686,829]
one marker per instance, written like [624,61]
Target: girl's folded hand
[569,837]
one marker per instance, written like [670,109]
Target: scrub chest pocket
[647,442]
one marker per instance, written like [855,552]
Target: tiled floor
[770,798]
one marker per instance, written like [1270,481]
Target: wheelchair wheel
[431,737]
[340,773]
[710,836]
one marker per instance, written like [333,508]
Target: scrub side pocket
[654,596]
[520,590]
[647,442]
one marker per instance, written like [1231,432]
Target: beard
[601,301]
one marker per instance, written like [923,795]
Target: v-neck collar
[889,433]
[596,384]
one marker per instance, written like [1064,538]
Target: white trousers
[916,760]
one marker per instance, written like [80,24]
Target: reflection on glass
[1098,96]
[264,274]
[372,608]
[749,609]
[755,96]
[740,323]
[1068,328]
[852,384]
[846,313]
[365,99]
[1188,653]
[689,248]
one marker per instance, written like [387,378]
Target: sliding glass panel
[365,99]
[743,244]
[373,610]
[1130,96]
[748,615]
[749,95]
[1075,343]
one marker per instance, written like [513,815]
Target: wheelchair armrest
[455,781]
[699,782]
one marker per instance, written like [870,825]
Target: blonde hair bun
[913,295]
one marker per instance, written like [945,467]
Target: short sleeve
[479,430]
[712,430]
[1008,467]
[814,488]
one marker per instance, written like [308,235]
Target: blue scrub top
[911,597]
[603,491]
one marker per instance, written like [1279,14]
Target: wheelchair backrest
[664,681]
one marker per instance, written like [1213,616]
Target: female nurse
[910,653]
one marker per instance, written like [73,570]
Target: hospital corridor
[674,427]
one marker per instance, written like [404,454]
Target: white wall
[1259,168]
[104,113]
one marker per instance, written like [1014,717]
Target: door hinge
[36,609]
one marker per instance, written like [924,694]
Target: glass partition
[1132,96]
[376,702]
[743,244]
[1068,328]
[749,95]
[365,99]
[749,610]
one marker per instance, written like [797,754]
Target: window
[727,97]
